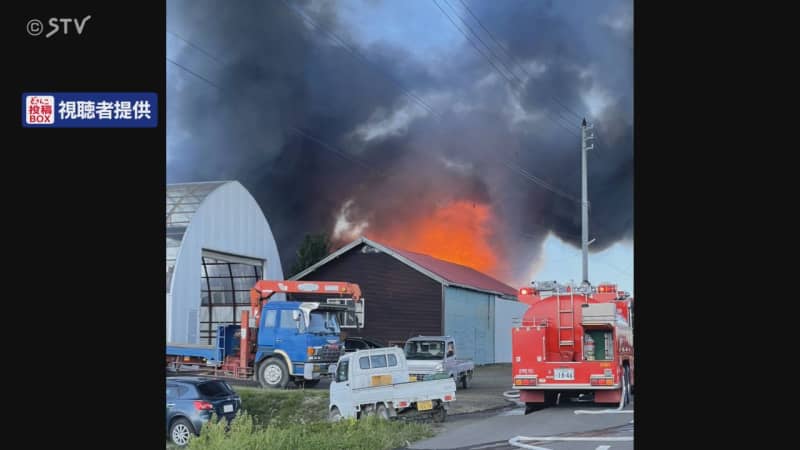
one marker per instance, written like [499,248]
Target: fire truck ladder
[566,321]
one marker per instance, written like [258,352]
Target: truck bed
[410,391]
[208,352]
[426,367]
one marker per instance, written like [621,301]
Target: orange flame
[458,232]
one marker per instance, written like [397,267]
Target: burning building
[408,294]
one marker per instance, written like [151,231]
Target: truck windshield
[424,350]
[323,322]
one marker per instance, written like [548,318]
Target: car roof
[192,380]
[376,351]
[431,338]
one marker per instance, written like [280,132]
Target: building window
[225,293]
[353,317]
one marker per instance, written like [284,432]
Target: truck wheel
[367,412]
[334,415]
[382,412]
[533,407]
[440,414]
[273,374]
[464,381]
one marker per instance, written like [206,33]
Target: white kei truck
[428,356]
[375,382]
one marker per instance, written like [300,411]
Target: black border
[88,232]
[699,334]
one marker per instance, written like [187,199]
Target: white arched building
[218,245]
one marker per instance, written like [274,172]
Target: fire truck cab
[573,340]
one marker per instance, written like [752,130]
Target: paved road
[605,431]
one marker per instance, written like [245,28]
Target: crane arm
[264,289]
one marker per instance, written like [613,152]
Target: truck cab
[431,355]
[297,341]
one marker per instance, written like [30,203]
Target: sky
[381,118]
[562,262]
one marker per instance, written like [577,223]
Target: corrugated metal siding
[228,221]
[399,301]
[505,311]
[469,318]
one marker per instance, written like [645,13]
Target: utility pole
[585,138]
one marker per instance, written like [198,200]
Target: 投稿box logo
[39,109]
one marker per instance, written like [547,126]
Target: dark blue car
[190,402]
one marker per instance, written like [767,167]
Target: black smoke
[271,74]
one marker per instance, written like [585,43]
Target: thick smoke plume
[274,86]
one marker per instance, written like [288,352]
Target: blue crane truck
[295,341]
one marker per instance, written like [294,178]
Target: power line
[195,47]
[292,128]
[195,74]
[428,107]
[334,149]
[510,71]
[472,43]
[491,36]
[520,171]
[516,86]
[540,182]
[355,52]
[511,58]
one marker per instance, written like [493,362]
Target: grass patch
[297,420]
[279,408]
[367,434]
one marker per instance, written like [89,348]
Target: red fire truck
[575,341]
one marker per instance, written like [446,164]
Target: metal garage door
[469,319]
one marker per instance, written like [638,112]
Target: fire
[458,232]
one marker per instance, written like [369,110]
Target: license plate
[564,374]
[412,378]
[425,405]
[227,408]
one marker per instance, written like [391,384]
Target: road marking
[603,447]
[488,446]
[603,411]
[582,439]
[515,441]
